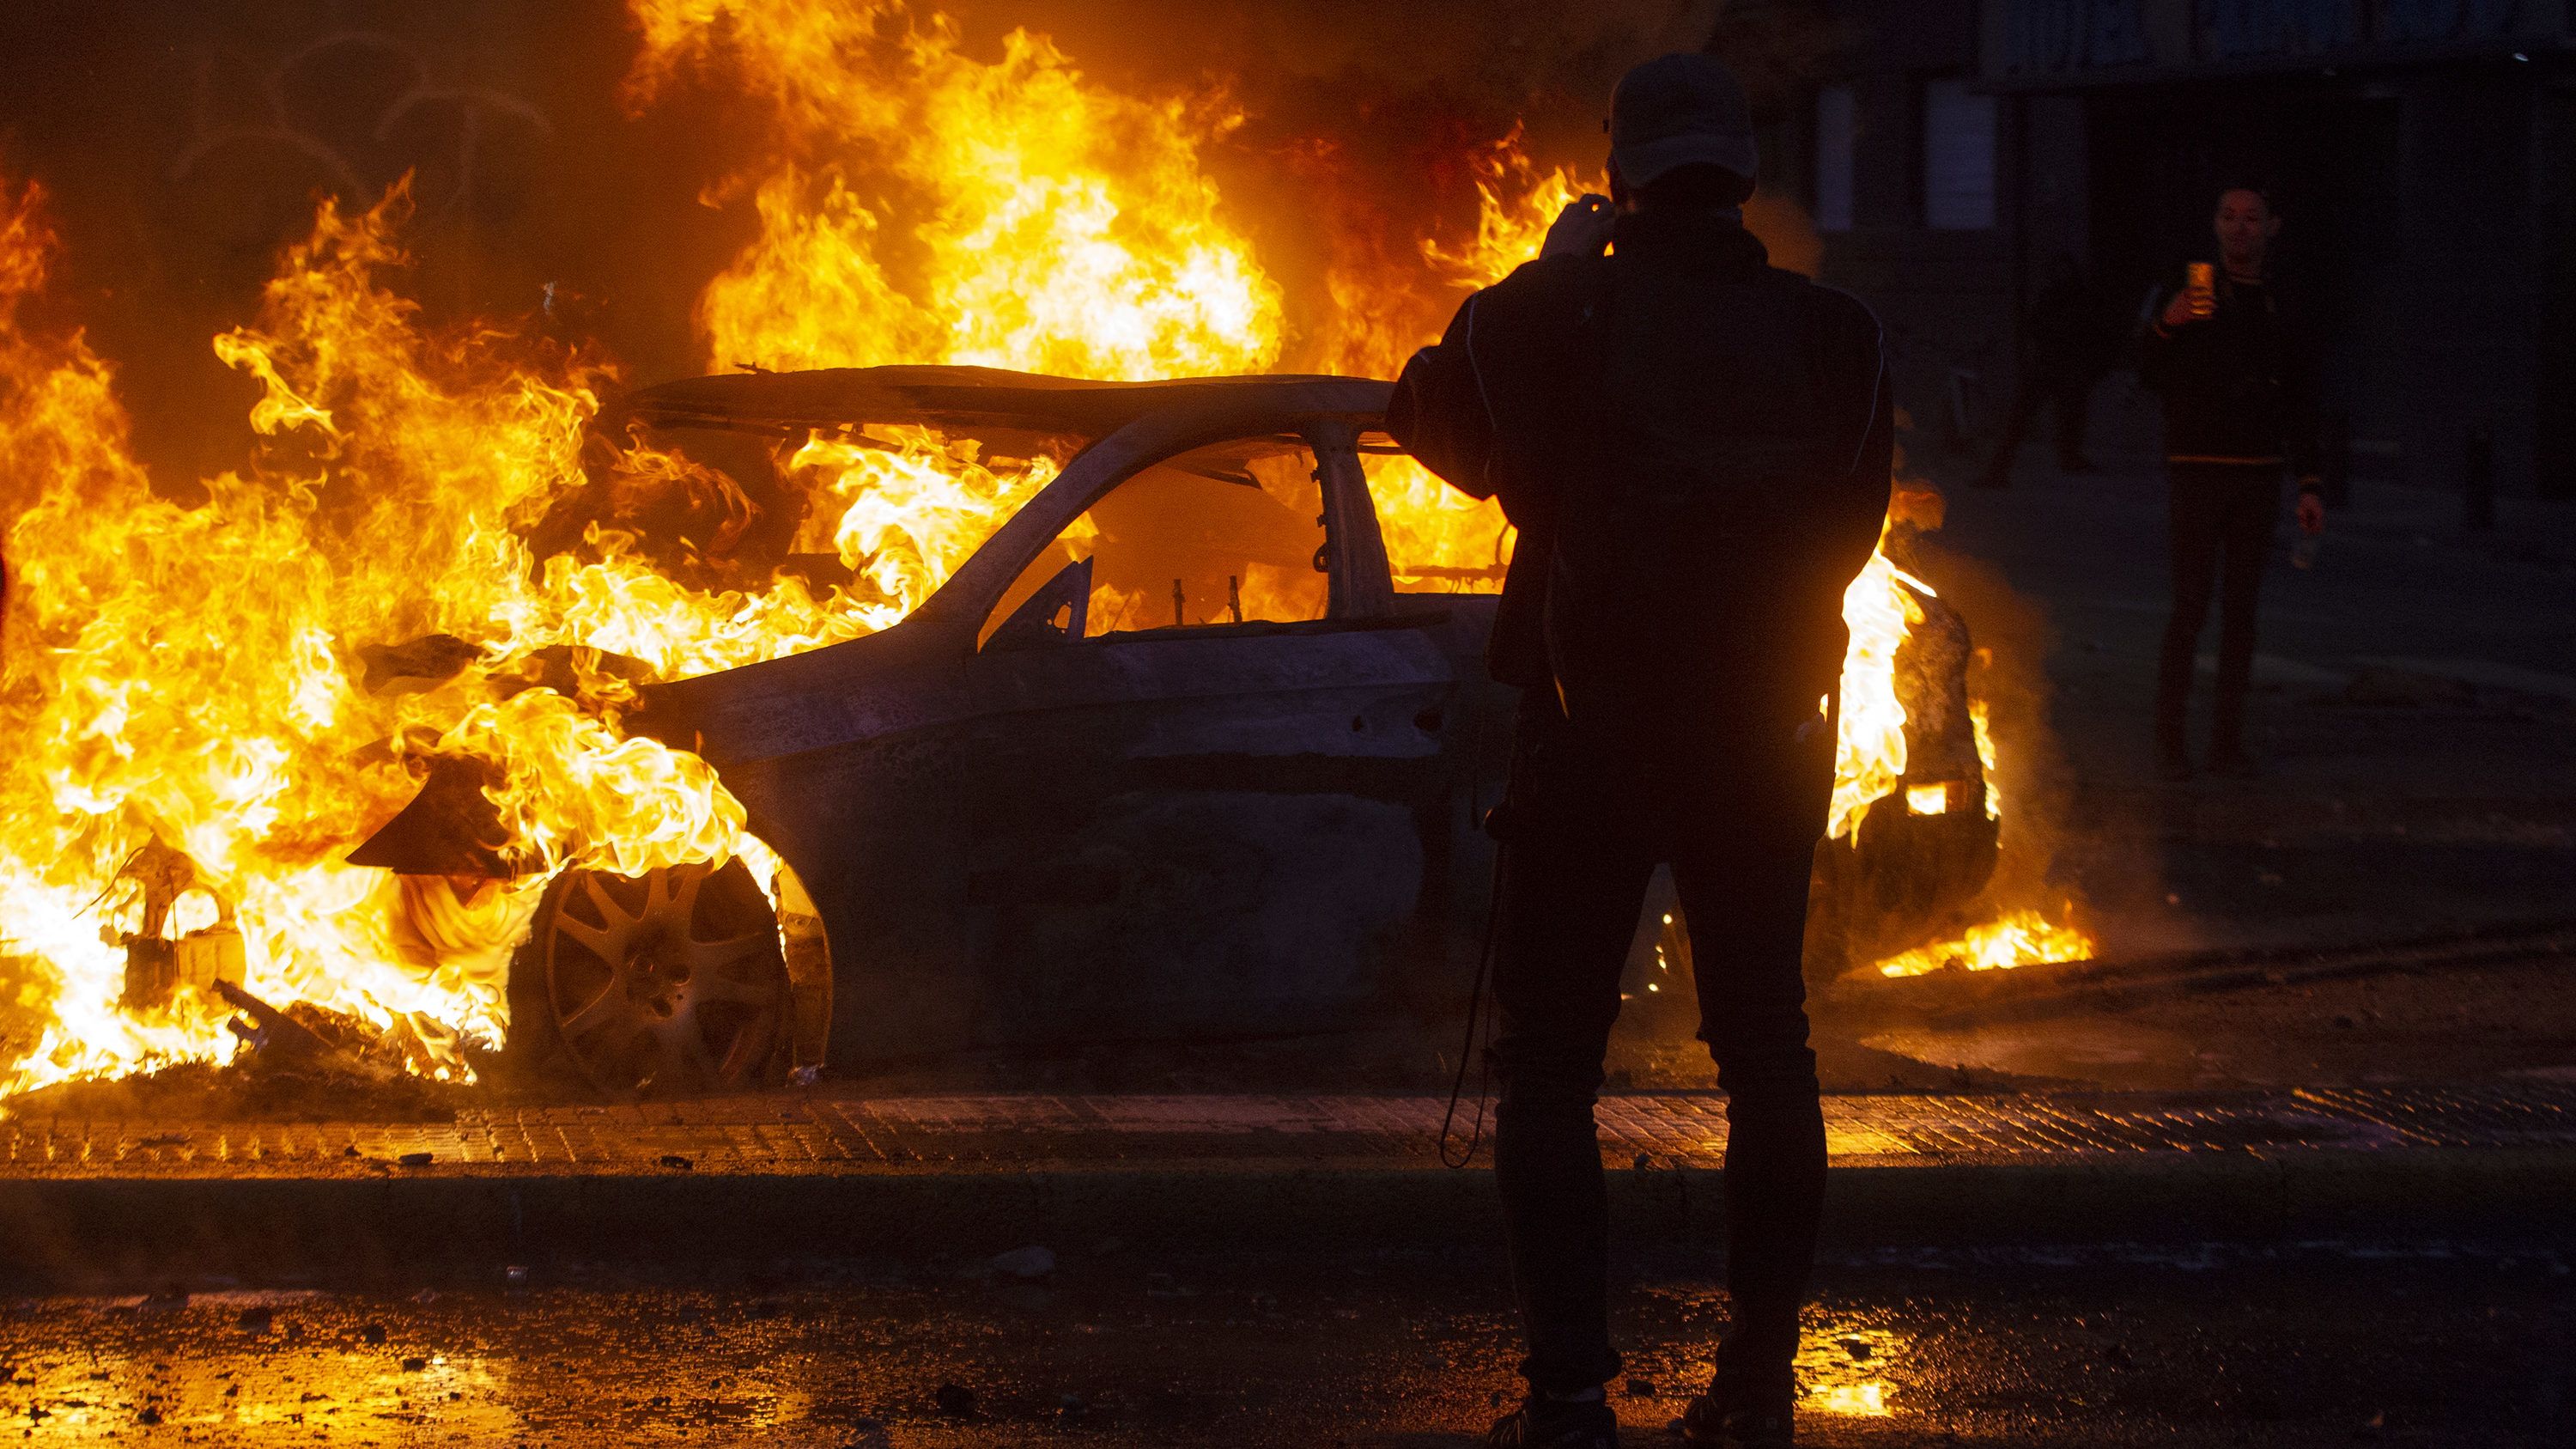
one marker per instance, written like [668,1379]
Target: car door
[1211,794]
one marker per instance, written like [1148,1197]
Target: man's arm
[1440,413]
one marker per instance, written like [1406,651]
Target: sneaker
[1765,1421]
[1548,1424]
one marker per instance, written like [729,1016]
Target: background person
[2232,360]
[2065,346]
[1695,447]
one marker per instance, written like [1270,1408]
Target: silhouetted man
[1695,447]
[2231,359]
[2063,347]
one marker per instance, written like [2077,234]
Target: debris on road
[276,1038]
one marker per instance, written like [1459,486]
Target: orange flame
[1869,750]
[1437,538]
[2015,938]
[186,674]
[1060,227]
[173,675]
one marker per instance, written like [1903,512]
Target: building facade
[2423,153]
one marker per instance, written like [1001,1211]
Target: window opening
[1226,535]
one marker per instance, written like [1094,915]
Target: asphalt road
[2323,1345]
[2413,696]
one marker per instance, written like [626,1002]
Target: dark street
[2325,1344]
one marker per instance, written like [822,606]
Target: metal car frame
[1016,835]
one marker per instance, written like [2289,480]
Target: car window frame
[1359,581]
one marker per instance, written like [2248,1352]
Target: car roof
[976,398]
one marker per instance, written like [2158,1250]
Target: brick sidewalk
[822,1135]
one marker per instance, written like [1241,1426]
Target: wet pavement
[2323,1344]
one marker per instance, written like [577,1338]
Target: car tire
[674,983]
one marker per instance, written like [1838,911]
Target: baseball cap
[1680,110]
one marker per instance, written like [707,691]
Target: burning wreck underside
[839,712]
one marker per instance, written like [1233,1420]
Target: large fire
[189,677]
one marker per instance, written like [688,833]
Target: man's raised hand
[1582,229]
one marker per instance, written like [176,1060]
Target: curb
[94,1232]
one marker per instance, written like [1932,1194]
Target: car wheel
[673,983]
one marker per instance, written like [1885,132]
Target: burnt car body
[1016,822]
[1022,829]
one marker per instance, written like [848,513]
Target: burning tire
[673,983]
[1907,862]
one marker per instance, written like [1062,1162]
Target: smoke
[1355,66]
[2012,639]
[185,146]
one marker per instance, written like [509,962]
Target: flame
[2015,938]
[1879,606]
[183,677]
[1869,764]
[1986,756]
[1516,202]
[171,680]
[1438,539]
[1049,224]
[186,676]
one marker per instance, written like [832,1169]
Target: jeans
[2223,519]
[1584,832]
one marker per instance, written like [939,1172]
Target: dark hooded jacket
[1695,447]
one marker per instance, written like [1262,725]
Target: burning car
[1171,753]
